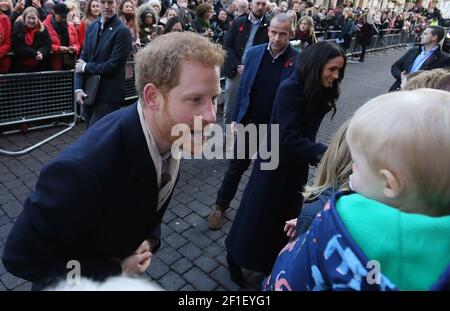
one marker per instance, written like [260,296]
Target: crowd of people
[49,34]
[101,201]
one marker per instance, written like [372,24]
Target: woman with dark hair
[173,24]
[220,26]
[91,13]
[31,42]
[272,195]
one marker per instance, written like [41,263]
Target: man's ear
[392,185]
[151,93]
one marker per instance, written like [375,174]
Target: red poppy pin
[241,28]
[288,63]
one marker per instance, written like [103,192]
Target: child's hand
[290,227]
[139,261]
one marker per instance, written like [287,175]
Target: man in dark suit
[428,56]
[99,204]
[245,32]
[106,48]
[266,65]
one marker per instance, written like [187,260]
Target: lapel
[433,57]
[108,30]
[257,63]
[95,31]
[141,167]
[247,26]
[288,66]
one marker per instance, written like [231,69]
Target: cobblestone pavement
[192,257]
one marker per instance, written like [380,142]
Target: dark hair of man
[310,65]
[437,31]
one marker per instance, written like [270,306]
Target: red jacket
[55,59]
[5,43]
[81,32]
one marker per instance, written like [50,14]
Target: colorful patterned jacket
[327,257]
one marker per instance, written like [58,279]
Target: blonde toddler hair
[407,132]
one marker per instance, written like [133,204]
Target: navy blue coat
[252,63]
[107,58]
[439,59]
[95,201]
[272,196]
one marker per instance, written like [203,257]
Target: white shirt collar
[270,51]
[250,19]
[173,165]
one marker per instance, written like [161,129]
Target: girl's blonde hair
[74,6]
[28,10]
[335,167]
[310,27]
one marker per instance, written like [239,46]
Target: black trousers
[233,175]
[98,110]
[363,51]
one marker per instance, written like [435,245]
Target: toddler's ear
[392,185]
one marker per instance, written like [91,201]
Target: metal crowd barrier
[130,87]
[380,42]
[31,97]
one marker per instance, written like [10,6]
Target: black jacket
[106,57]
[42,43]
[236,39]
[272,196]
[439,59]
[95,203]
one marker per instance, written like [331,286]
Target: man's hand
[39,56]
[63,49]
[290,227]
[404,79]
[36,4]
[20,6]
[240,69]
[139,261]
[79,66]
[208,33]
[79,96]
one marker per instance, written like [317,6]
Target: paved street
[192,257]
